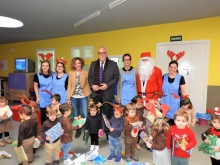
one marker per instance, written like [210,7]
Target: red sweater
[177,137]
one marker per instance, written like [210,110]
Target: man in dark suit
[103,76]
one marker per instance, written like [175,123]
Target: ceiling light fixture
[7,22]
[116,3]
[87,19]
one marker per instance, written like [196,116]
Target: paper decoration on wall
[54,132]
[174,56]
[48,56]
[20,154]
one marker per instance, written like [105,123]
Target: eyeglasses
[127,60]
[101,53]
[59,66]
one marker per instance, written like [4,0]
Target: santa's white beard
[145,69]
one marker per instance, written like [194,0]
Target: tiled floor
[78,146]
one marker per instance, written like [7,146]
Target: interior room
[67,29]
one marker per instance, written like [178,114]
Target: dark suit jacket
[111,79]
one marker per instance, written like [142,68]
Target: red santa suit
[153,88]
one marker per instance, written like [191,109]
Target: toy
[100,133]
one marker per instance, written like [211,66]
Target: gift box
[15,115]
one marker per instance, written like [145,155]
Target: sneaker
[127,158]
[70,156]
[68,161]
[117,159]
[111,157]
[138,146]
[135,158]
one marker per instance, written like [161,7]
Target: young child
[66,138]
[214,130]
[186,104]
[161,155]
[5,121]
[54,147]
[94,125]
[139,112]
[27,132]
[130,140]
[180,139]
[117,125]
[55,101]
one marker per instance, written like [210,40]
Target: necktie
[100,73]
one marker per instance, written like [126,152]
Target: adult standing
[60,82]
[103,76]
[127,85]
[173,88]
[78,89]
[149,77]
[43,87]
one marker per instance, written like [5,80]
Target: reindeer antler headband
[48,55]
[61,60]
[25,100]
[115,107]
[175,56]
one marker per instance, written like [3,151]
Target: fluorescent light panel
[116,3]
[97,13]
[7,22]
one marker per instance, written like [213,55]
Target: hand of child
[216,149]
[111,129]
[150,138]
[206,141]
[80,125]
[47,138]
[149,145]
[62,130]
[183,147]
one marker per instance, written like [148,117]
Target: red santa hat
[217,110]
[146,54]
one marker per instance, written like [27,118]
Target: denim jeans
[179,161]
[115,146]
[66,148]
[80,104]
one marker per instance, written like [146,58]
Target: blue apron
[59,87]
[128,90]
[169,99]
[45,84]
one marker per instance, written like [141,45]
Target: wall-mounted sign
[175,38]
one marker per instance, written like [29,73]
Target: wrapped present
[209,148]
[54,132]
[20,154]
[144,136]
[79,121]
[106,121]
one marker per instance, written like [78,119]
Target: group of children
[170,144]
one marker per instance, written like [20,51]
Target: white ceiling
[44,19]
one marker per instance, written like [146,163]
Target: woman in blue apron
[173,88]
[43,87]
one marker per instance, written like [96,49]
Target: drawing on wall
[45,55]
[3,65]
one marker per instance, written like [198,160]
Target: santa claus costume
[149,77]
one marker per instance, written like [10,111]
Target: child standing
[27,132]
[55,101]
[180,139]
[214,130]
[159,130]
[66,138]
[5,122]
[130,140]
[117,125]
[186,104]
[93,125]
[54,147]
[139,112]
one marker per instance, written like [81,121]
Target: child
[27,132]
[139,112]
[180,139]
[93,125]
[66,138]
[186,104]
[129,139]
[214,130]
[117,125]
[161,154]
[54,147]
[55,101]
[5,121]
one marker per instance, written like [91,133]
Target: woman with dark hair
[174,87]
[127,87]
[78,89]
[60,82]
[43,87]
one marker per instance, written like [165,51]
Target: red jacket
[154,84]
[176,137]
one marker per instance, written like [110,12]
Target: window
[88,52]
[75,52]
